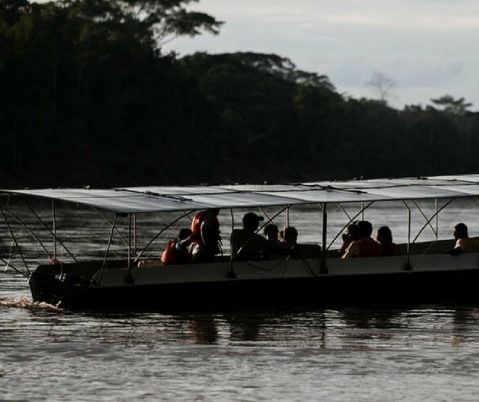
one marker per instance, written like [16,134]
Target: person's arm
[458,248]
[351,251]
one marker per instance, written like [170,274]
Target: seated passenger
[206,236]
[289,242]
[365,246]
[246,244]
[348,237]
[464,244]
[385,239]
[177,250]
[271,233]
[289,237]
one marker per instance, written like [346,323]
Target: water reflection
[241,348]
[322,328]
[203,329]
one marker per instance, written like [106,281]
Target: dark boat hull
[408,287]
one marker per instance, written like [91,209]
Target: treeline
[88,98]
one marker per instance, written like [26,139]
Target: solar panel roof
[184,198]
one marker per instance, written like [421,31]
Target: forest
[89,98]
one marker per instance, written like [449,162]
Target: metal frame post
[103,267]
[231,272]
[135,239]
[129,279]
[54,224]
[323,269]
[408,266]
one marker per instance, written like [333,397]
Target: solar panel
[184,198]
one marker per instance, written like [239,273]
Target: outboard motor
[46,285]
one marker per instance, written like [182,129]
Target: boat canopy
[184,198]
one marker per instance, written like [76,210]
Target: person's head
[251,221]
[384,235]
[460,231]
[271,232]
[184,234]
[290,235]
[365,229]
[351,234]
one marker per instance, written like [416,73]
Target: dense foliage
[87,97]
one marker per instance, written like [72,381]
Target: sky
[429,48]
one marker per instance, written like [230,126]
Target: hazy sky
[429,47]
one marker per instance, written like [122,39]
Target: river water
[407,352]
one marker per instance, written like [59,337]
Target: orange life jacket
[196,224]
[168,257]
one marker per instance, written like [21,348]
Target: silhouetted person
[290,237]
[246,244]
[365,246]
[385,239]
[464,244]
[206,235]
[177,250]
[271,232]
[352,233]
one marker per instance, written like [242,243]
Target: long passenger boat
[423,272]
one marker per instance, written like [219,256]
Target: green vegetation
[88,97]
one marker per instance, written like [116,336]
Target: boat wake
[23,302]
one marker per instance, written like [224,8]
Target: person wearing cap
[246,244]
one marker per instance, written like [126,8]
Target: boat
[423,272]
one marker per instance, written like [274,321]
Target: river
[415,352]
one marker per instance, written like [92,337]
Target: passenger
[290,237]
[365,246]
[385,239]
[464,244]
[205,229]
[177,250]
[271,232]
[348,237]
[183,246]
[246,244]
[289,242]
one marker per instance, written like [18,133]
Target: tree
[451,105]
[382,86]
[158,21]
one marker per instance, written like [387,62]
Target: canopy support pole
[437,218]
[231,273]
[351,220]
[135,238]
[344,210]
[432,217]
[19,220]
[434,230]
[14,238]
[103,266]
[105,218]
[323,269]
[287,216]
[8,265]
[54,225]
[408,266]
[129,279]
[49,231]
[159,234]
